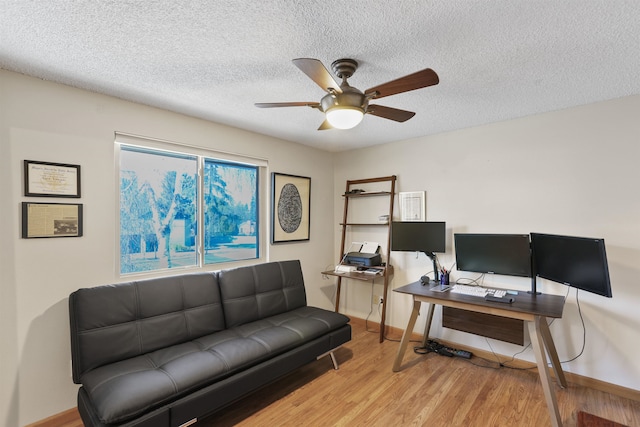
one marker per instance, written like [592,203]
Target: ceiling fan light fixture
[344,117]
[344,106]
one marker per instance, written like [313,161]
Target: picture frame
[51,220]
[46,179]
[413,205]
[290,208]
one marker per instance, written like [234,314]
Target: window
[185,210]
[230,212]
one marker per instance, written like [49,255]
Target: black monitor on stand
[504,254]
[427,237]
[579,262]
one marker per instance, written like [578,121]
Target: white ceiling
[496,60]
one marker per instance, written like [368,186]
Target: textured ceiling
[496,60]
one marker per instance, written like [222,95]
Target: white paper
[369,247]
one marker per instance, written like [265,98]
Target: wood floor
[431,390]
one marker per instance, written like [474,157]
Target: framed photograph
[290,208]
[51,220]
[44,179]
[413,205]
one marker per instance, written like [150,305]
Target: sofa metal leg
[333,358]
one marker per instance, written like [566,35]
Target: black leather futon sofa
[167,351]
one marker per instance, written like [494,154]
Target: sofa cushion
[262,290]
[125,389]
[116,322]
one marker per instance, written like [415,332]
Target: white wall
[50,122]
[572,172]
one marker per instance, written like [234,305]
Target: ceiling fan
[345,106]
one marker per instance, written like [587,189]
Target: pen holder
[444,278]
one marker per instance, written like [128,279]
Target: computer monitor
[413,236]
[507,254]
[579,262]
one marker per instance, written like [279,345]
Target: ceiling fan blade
[417,80]
[390,113]
[325,126]
[287,104]
[318,73]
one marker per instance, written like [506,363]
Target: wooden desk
[385,273]
[533,309]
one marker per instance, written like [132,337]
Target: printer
[363,259]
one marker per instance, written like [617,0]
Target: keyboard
[477,291]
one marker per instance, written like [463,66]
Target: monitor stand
[432,255]
[534,290]
[433,285]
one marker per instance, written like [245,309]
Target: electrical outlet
[380,300]
[377,299]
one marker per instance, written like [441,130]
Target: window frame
[202,153]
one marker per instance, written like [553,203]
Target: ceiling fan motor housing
[349,98]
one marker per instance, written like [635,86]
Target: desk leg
[406,336]
[339,282]
[543,371]
[553,354]
[427,325]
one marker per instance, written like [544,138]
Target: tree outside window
[159,227]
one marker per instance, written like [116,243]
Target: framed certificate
[413,206]
[44,179]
